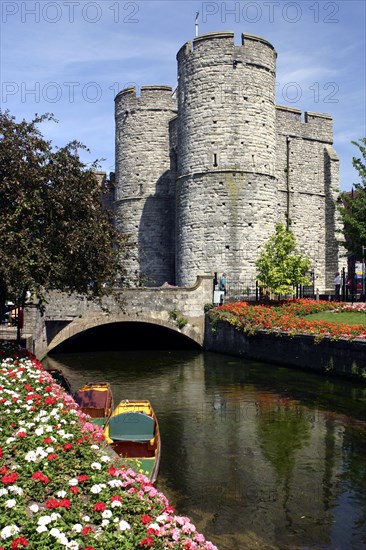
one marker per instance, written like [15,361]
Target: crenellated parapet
[293,122]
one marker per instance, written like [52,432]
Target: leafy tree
[278,267]
[54,232]
[353,209]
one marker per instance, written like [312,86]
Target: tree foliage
[353,209]
[278,267]
[54,232]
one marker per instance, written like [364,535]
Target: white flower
[105,522]
[39,431]
[55,516]
[94,447]
[10,503]
[96,489]
[9,531]
[10,440]
[105,458]
[3,492]
[34,508]
[154,526]
[115,483]
[73,481]
[124,525]
[86,518]
[107,514]
[96,466]
[55,532]
[77,527]
[15,489]
[44,520]
[41,529]
[61,494]
[116,504]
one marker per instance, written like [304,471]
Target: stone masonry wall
[226,153]
[310,189]
[144,187]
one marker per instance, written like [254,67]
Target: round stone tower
[145,188]
[226,187]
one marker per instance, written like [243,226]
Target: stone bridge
[66,316]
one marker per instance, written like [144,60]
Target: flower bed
[289,316]
[59,487]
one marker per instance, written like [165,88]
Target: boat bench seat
[134,426]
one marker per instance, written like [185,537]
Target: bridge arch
[83,324]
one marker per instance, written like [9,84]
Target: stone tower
[202,182]
[226,187]
[144,202]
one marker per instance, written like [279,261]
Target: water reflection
[258,456]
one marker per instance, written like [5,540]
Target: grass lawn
[349,317]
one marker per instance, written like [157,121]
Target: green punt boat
[132,431]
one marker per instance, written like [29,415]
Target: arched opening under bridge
[126,336]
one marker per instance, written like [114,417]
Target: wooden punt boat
[60,379]
[96,400]
[133,433]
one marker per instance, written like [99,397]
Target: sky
[71,57]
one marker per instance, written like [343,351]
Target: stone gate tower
[226,187]
[144,186]
[203,178]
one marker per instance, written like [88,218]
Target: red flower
[40,477]
[83,477]
[52,503]
[87,548]
[50,400]
[67,446]
[52,456]
[112,470]
[47,440]
[9,478]
[145,518]
[18,543]
[116,497]
[74,490]
[99,507]
[22,434]
[65,503]
[146,542]
[87,529]
[3,470]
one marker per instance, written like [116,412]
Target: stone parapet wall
[341,357]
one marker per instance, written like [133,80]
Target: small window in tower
[215,121]
[227,247]
[215,160]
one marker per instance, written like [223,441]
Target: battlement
[254,50]
[151,97]
[318,126]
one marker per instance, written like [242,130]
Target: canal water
[258,456]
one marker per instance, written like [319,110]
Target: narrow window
[215,160]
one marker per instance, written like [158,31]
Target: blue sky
[70,57]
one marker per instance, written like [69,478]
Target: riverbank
[333,357]
[59,488]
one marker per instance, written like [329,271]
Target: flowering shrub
[59,485]
[289,316]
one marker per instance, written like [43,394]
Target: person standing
[223,283]
[337,284]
